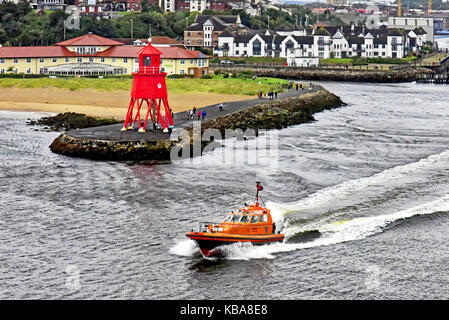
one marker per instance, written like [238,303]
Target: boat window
[255,219]
[245,219]
[263,218]
[228,218]
[236,217]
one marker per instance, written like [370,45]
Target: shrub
[249,73]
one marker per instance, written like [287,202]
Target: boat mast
[259,188]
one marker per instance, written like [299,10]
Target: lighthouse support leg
[139,105]
[159,115]
[168,113]
[148,113]
[129,114]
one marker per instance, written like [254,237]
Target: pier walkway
[113,133]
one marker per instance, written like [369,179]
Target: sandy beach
[108,104]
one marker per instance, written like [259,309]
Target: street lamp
[131,29]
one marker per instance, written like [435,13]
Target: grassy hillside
[217,84]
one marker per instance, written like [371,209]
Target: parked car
[226,62]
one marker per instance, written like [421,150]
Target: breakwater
[353,74]
[108,143]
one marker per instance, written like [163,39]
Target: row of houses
[304,49]
[206,29]
[91,54]
[105,6]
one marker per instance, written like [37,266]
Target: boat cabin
[251,220]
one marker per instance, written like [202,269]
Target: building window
[54,60]
[257,48]
[125,60]
[41,60]
[67,59]
[113,60]
[79,60]
[182,72]
[91,60]
[29,71]
[28,60]
[16,60]
[2,60]
[2,71]
[182,61]
[102,59]
[86,50]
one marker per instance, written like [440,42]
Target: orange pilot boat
[252,224]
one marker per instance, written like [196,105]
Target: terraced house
[94,55]
[305,49]
[205,30]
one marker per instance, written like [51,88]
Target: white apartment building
[198,5]
[342,42]
[167,5]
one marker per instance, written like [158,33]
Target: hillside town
[299,35]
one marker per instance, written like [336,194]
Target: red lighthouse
[149,86]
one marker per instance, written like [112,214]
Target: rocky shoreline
[71,120]
[406,74]
[266,114]
[277,114]
[157,152]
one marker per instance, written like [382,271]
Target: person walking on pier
[220,107]
[199,114]
[203,114]
[275,94]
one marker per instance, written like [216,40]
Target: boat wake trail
[344,190]
[361,227]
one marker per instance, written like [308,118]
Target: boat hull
[208,242]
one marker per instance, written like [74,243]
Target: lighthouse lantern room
[149,87]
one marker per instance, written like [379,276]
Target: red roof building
[94,49]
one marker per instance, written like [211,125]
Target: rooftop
[89,39]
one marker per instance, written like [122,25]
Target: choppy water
[371,178]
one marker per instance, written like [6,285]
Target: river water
[370,179]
